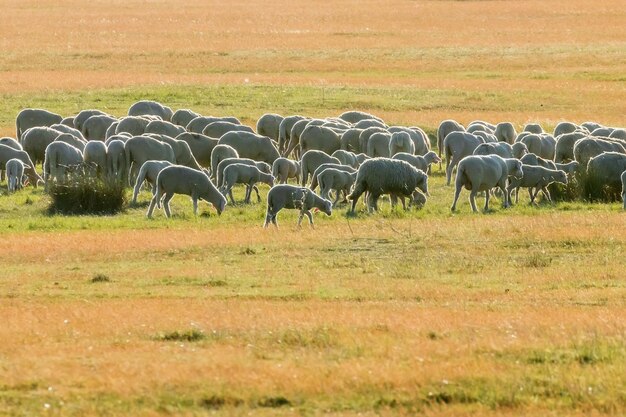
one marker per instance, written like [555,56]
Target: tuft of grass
[83,194]
[192,335]
[100,278]
[216,402]
[274,402]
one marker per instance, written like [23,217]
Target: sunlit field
[513,312]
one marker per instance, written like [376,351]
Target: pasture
[513,312]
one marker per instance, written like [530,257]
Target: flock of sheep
[347,156]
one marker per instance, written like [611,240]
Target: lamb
[8,152]
[244,174]
[218,154]
[116,160]
[482,173]
[283,169]
[15,174]
[346,158]
[96,153]
[311,160]
[532,159]
[262,166]
[401,142]
[623,178]
[419,162]
[148,172]
[502,149]
[570,168]
[340,167]
[537,178]
[334,179]
[294,197]
[60,156]
[458,145]
[178,179]
[386,176]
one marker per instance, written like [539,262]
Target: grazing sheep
[591,126]
[380,176]
[445,128]
[182,117]
[564,127]
[602,132]
[378,145]
[564,150]
[532,159]
[269,125]
[482,173]
[148,172]
[537,178]
[350,140]
[606,169]
[589,147]
[15,174]
[294,137]
[59,157]
[140,149]
[311,160]
[28,118]
[116,160]
[481,125]
[505,132]
[221,127]
[96,127]
[533,128]
[420,162]
[218,154]
[321,138]
[95,154]
[487,137]
[284,131]
[150,108]
[251,145]
[68,121]
[35,141]
[283,169]
[365,123]
[365,135]
[346,158]
[340,167]
[458,145]
[201,146]
[261,166]
[83,115]
[354,116]
[618,133]
[418,137]
[11,142]
[111,130]
[133,125]
[401,142]
[570,168]
[182,151]
[71,140]
[519,149]
[540,144]
[333,179]
[293,197]
[623,178]
[178,179]
[163,127]
[121,137]
[69,130]
[502,149]
[7,153]
[198,124]
[244,174]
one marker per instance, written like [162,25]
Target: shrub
[84,194]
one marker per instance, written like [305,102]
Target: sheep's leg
[246,198]
[194,200]
[153,202]
[256,190]
[532,195]
[507,202]
[166,204]
[300,217]
[310,216]
[547,193]
[336,199]
[355,198]
[487,197]
[472,199]
[449,168]
[457,193]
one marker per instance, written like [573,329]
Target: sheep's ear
[27,166]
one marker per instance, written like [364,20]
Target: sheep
[365,123]
[591,126]
[60,156]
[269,125]
[116,160]
[197,124]
[354,116]
[334,179]
[365,135]
[8,152]
[218,154]
[262,166]
[588,147]
[564,128]
[570,168]
[519,149]
[446,127]
[458,145]
[15,174]
[340,167]
[71,140]
[148,172]
[179,179]
[605,170]
[418,137]
[502,149]
[95,153]
[244,174]
[28,118]
[401,142]
[182,117]
[533,128]
[284,131]
[294,197]
[505,132]
[162,127]
[84,115]
[140,149]
[150,108]
[68,129]
[350,140]
[283,169]
[346,158]
[134,125]
[532,159]
[386,176]
[35,141]
[378,145]
[419,162]
[538,178]
[542,145]
[311,160]
[220,128]
[623,178]
[564,150]
[201,146]
[96,127]
[482,173]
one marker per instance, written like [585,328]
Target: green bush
[84,194]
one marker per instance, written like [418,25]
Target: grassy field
[513,312]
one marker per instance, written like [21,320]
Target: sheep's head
[561,177]
[220,205]
[327,207]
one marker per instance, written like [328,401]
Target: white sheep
[532,159]
[340,167]
[178,179]
[262,166]
[535,178]
[294,197]
[456,146]
[15,174]
[401,142]
[283,169]
[482,173]
[334,179]
[148,172]
[95,154]
[244,174]
[59,156]
[570,168]
[502,149]
[218,154]
[419,162]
